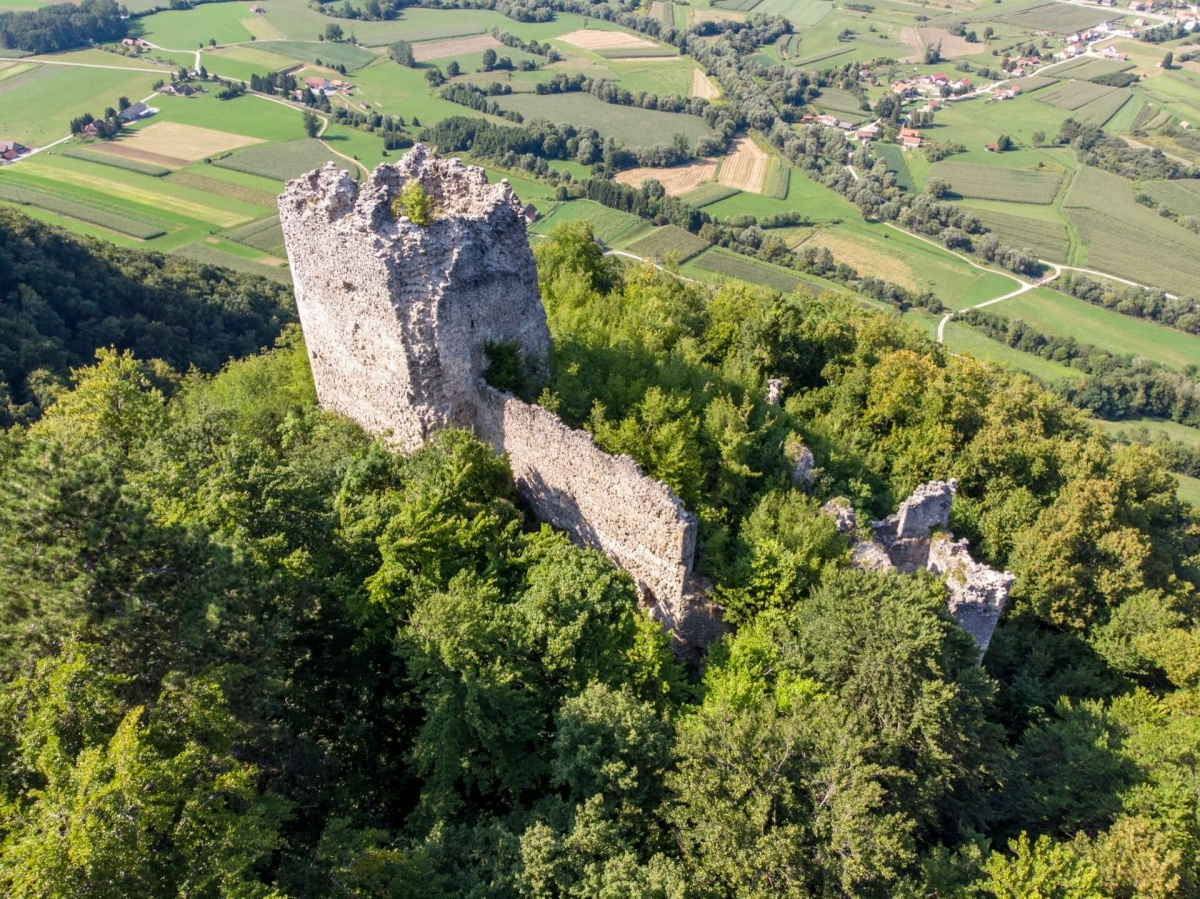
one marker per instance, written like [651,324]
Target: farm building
[135,112]
[133,42]
[867,132]
[910,138]
[258,10]
[529,213]
[10,150]
[180,90]
[991,148]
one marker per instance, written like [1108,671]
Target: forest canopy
[62,26]
[248,651]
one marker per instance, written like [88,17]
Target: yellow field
[476,43]
[173,145]
[702,86]
[151,198]
[678,179]
[262,29]
[589,39]
[865,257]
[716,15]
[746,167]
[10,68]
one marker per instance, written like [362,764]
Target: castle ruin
[397,318]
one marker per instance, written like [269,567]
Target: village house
[258,10]
[910,139]
[180,89]
[135,112]
[904,88]
[134,42]
[319,85]
[867,132]
[991,148]
[10,150]
[1111,52]
[529,213]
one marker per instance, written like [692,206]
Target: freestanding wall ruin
[396,319]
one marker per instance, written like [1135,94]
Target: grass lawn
[330,54]
[187,29]
[669,77]
[816,201]
[961,338]
[278,162]
[397,90]
[250,115]
[1189,489]
[1151,428]
[629,125]
[37,106]
[1056,313]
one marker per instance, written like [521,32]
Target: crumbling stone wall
[396,316]
[914,538]
[396,319]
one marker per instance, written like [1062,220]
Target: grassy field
[819,203]
[36,107]
[1058,314]
[993,183]
[188,29]
[961,338]
[726,264]
[1048,239]
[211,255]
[1059,18]
[1087,67]
[708,193]
[1181,197]
[88,155]
[1127,239]
[668,77]
[632,127]
[895,159]
[612,226]
[330,54]
[265,235]
[108,219]
[662,242]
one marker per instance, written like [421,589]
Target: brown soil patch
[865,258]
[173,145]
[702,86]
[952,45]
[272,260]
[459,46]
[745,167]
[912,40]
[591,39]
[677,179]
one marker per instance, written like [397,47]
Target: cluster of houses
[131,113]
[135,43]
[938,84]
[10,150]
[1008,93]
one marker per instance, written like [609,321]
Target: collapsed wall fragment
[916,537]
[397,317]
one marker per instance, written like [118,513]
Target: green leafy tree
[312,124]
[402,53]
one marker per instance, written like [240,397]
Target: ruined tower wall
[602,501]
[396,319]
[396,316]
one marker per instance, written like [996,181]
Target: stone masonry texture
[916,537]
[396,319]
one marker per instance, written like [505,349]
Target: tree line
[62,26]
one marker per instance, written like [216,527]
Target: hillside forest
[249,652]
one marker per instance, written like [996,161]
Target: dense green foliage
[248,652]
[55,27]
[62,296]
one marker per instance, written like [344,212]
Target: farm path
[196,53]
[853,174]
[95,65]
[1024,288]
[966,259]
[1059,269]
[648,262]
[324,125]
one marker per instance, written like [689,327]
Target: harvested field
[702,86]
[662,242]
[717,15]
[953,46]
[173,145]
[461,46]
[675,180]
[262,29]
[866,257]
[664,11]
[986,182]
[745,168]
[912,39]
[599,41]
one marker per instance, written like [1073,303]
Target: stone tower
[396,316]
